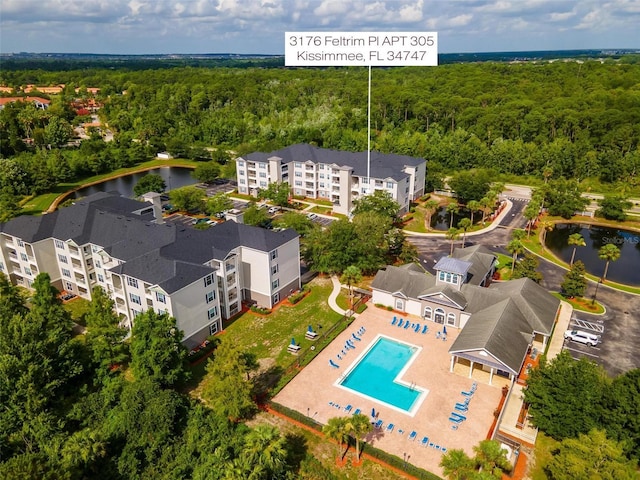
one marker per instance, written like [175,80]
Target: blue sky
[258,26]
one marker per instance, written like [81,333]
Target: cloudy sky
[258,26]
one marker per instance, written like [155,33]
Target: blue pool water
[375,374]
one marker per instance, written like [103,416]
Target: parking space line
[581,352]
[588,325]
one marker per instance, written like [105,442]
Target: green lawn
[77,308]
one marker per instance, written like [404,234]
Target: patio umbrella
[293,341]
[444,329]
[373,412]
[310,328]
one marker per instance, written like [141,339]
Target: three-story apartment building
[338,176]
[200,277]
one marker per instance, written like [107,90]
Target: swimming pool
[376,375]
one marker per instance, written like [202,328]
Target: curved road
[618,351]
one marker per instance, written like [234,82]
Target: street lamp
[593,301]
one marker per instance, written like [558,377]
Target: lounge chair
[353,335]
[357,411]
[424,441]
[407,325]
[456,419]
[443,449]
[467,394]
[400,322]
[417,328]
[362,330]
[425,329]
[461,408]
[457,415]
[400,431]
[333,364]
[378,424]
[389,428]
[348,408]
[394,321]
[412,435]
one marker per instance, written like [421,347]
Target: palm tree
[487,205]
[335,429]
[452,235]
[473,206]
[576,240]
[464,225]
[531,212]
[358,426]
[547,226]
[452,209]
[515,248]
[265,449]
[457,465]
[430,207]
[610,253]
[517,234]
[351,275]
[492,458]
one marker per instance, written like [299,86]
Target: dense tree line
[100,406]
[577,119]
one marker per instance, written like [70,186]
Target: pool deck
[314,388]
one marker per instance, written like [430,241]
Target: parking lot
[579,350]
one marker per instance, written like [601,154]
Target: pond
[625,270]
[174,177]
[441,219]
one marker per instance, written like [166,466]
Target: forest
[572,119]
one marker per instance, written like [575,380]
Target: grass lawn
[77,308]
[343,301]
[544,446]
[321,210]
[267,337]
[581,304]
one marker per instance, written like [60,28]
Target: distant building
[41,103]
[200,277]
[338,176]
[499,322]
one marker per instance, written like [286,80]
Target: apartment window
[263,184]
[240,163]
[240,172]
[389,184]
[27,271]
[212,313]
[451,319]
[213,328]
[135,313]
[132,282]
[135,298]
[160,297]
[365,180]
[427,313]
[455,280]
[275,284]
[63,258]
[298,174]
[98,264]
[66,273]
[274,269]
[399,304]
[321,166]
[275,298]
[68,286]
[274,254]
[210,296]
[448,278]
[1,267]
[297,165]
[439,315]
[441,276]
[242,181]
[100,278]
[298,183]
[59,244]
[20,243]
[24,257]
[263,174]
[322,175]
[321,185]
[208,280]
[263,165]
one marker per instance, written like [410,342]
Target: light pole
[593,301]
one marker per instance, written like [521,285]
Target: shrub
[260,310]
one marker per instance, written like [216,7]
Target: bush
[390,308]
[260,310]
[299,295]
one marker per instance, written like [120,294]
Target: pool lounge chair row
[416,327]
[348,345]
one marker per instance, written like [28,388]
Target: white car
[273,210]
[582,337]
[312,216]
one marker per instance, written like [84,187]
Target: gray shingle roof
[382,165]
[406,279]
[156,253]
[481,260]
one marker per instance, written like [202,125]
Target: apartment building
[200,277]
[338,176]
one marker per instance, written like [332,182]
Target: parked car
[312,216]
[273,210]
[582,337]
[164,198]
[200,221]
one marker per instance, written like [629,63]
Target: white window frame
[399,304]
[451,318]
[428,313]
[132,282]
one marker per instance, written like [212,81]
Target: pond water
[441,219]
[174,177]
[624,270]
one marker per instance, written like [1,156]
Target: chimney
[154,199]
[235,215]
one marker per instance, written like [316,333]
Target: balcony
[231,279]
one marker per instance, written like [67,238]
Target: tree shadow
[265,380]
[297,449]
